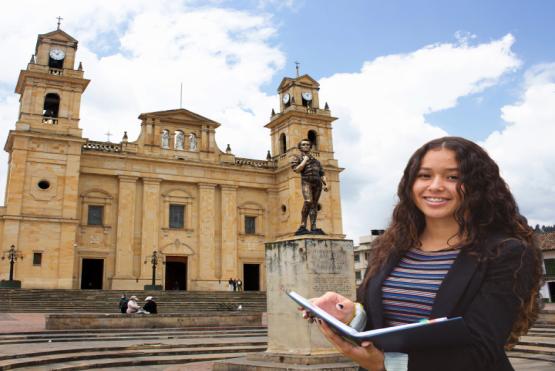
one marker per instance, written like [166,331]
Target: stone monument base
[279,362]
[310,266]
[13,284]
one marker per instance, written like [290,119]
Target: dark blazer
[482,293]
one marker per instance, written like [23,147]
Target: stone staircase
[538,346]
[115,348]
[105,301]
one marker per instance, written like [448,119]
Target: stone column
[123,277]
[272,214]
[229,232]
[207,235]
[150,224]
[67,272]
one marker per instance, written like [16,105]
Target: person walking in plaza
[230,284]
[239,285]
[150,305]
[457,245]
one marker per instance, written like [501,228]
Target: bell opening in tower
[283,143]
[313,138]
[51,105]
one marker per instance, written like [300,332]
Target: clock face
[307,95]
[285,98]
[57,54]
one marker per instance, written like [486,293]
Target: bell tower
[51,87]
[300,117]
[42,191]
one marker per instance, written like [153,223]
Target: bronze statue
[312,183]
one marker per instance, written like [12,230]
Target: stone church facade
[90,214]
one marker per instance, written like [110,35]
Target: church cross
[59,21]
[108,135]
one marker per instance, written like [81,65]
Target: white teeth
[434,199]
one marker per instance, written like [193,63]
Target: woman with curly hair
[456,246]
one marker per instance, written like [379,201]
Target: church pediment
[304,80]
[179,117]
[58,35]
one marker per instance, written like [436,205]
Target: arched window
[51,105]
[313,137]
[282,143]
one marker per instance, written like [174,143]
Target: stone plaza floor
[13,323]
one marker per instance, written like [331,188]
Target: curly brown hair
[487,208]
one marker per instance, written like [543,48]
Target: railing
[56,71]
[101,146]
[254,163]
[50,120]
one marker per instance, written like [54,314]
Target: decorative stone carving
[179,138]
[192,142]
[165,141]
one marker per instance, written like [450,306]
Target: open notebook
[438,332]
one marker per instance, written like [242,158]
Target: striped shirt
[408,293]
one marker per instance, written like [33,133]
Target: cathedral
[89,214]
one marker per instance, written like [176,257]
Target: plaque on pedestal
[310,266]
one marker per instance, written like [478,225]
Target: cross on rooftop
[108,135]
[59,21]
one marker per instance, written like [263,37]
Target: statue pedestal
[311,267]
[153,287]
[13,284]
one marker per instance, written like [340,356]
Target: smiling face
[435,188]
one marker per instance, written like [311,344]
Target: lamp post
[154,261]
[12,255]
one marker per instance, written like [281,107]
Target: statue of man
[192,142]
[179,137]
[165,139]
[312,183]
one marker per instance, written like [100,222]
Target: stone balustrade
[101,146]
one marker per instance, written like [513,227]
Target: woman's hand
[338,306]
[366,355]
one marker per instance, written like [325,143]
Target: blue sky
[334,36]
[395,73]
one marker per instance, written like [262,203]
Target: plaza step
[125,334]
[106,301]
[77,350]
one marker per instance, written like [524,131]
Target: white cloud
[382,110]
[138,53]
[525,149]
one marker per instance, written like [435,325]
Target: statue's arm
[324,182]
[298,163]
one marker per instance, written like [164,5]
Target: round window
[44,184]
